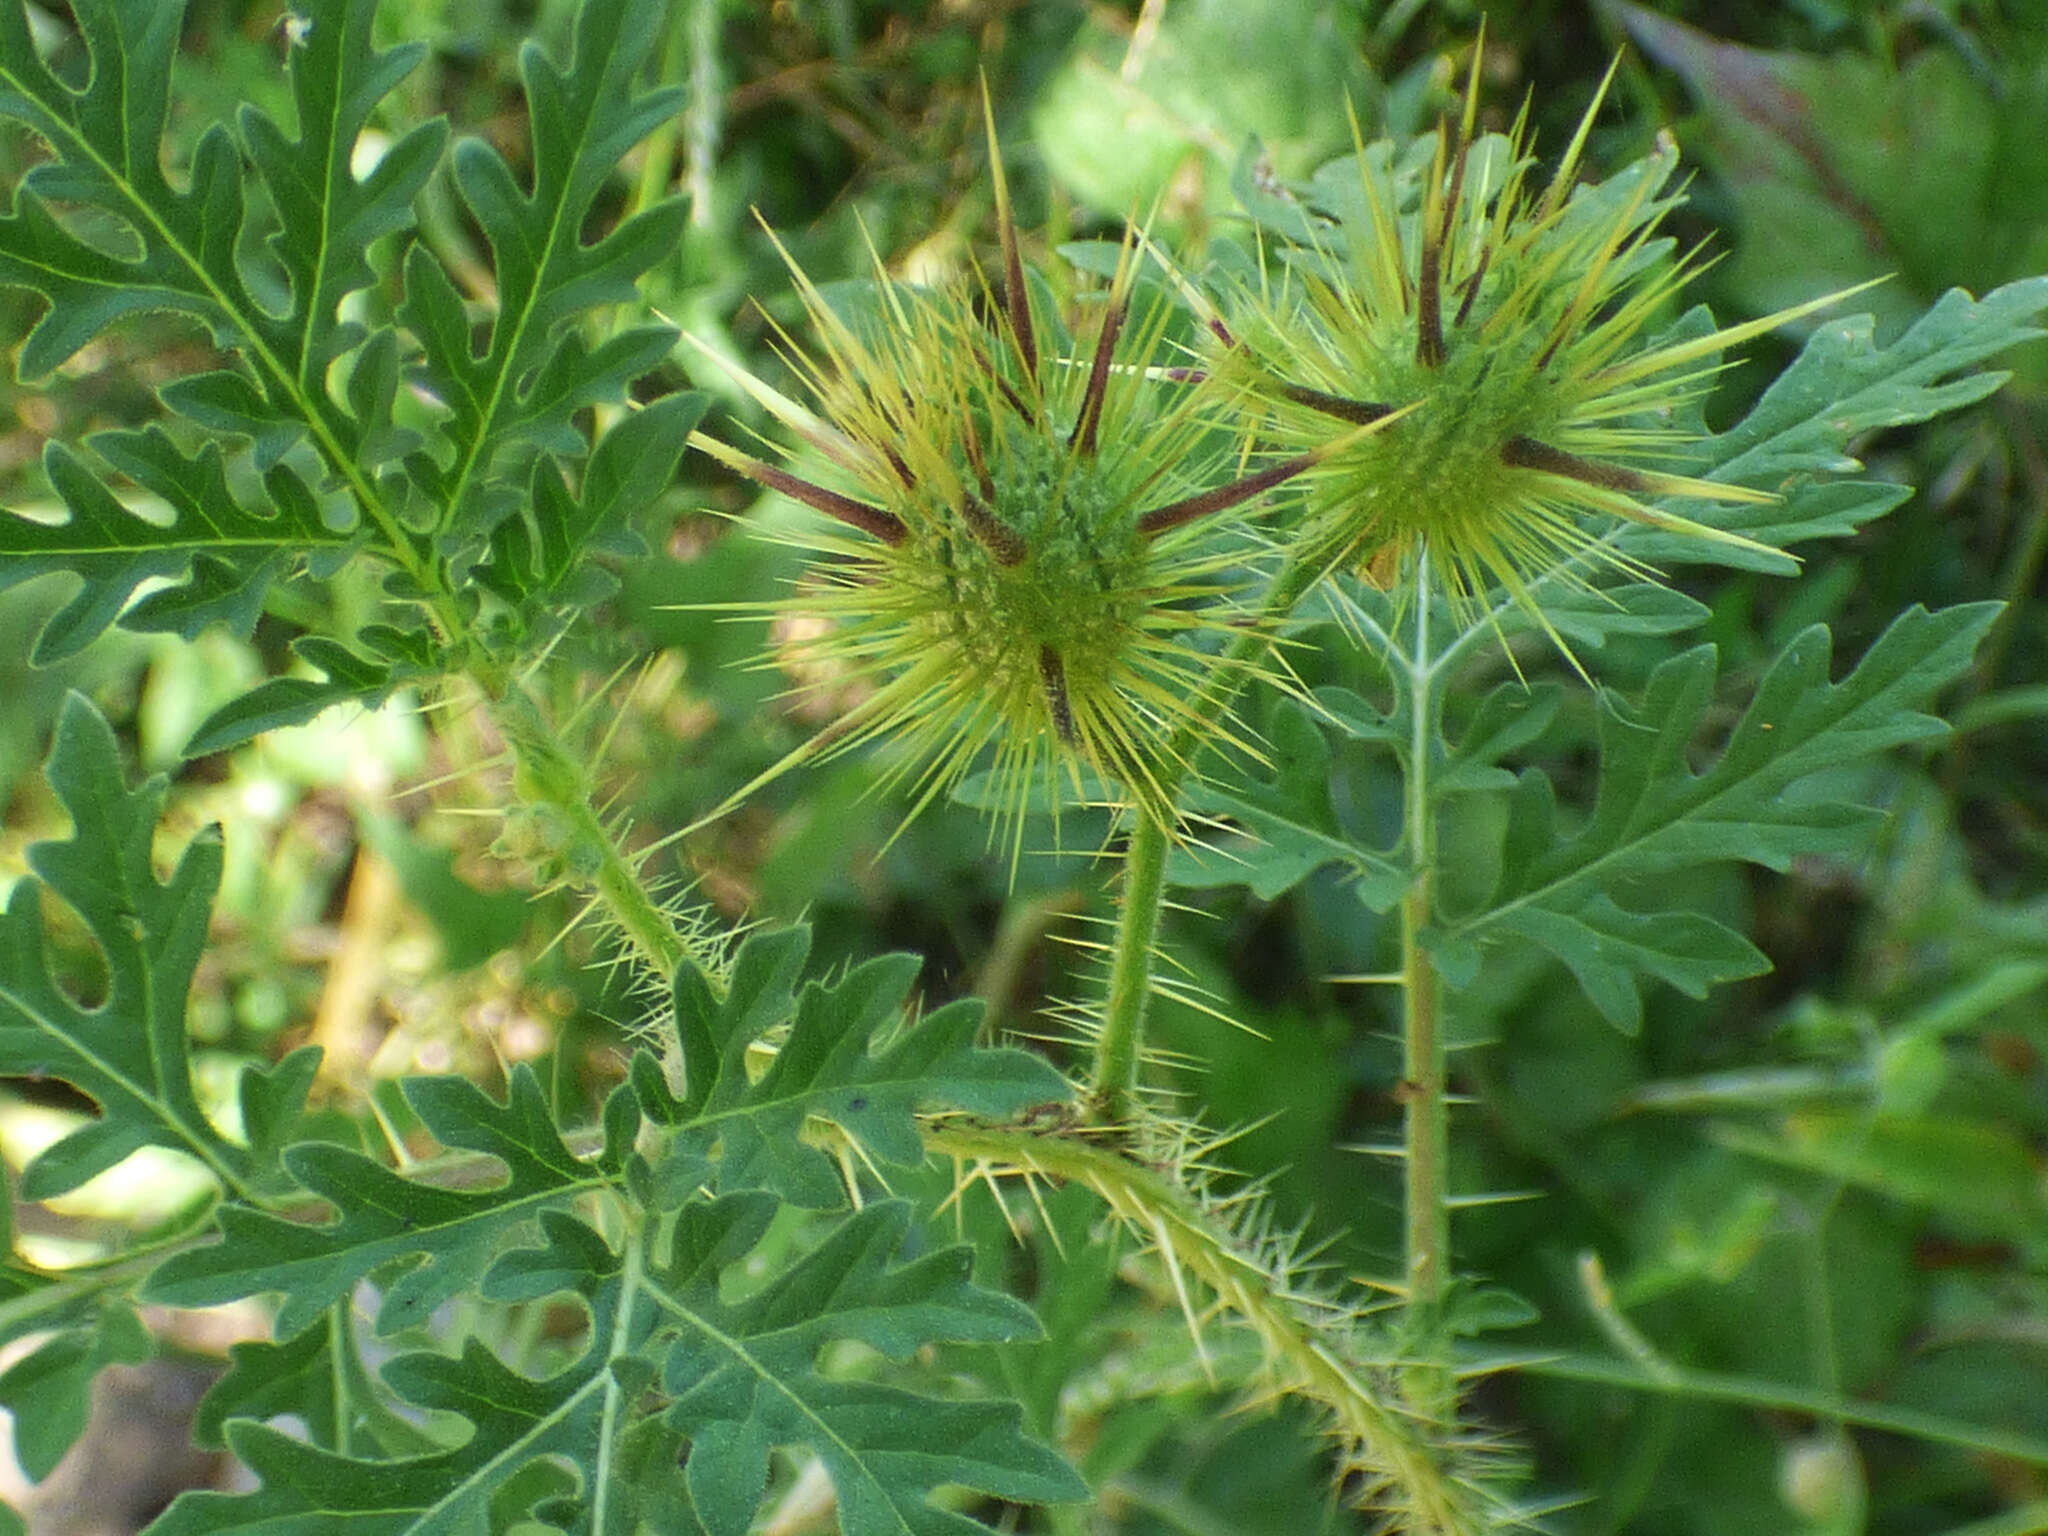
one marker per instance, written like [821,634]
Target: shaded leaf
[232,553]
[1607,948]
[49,1392]
[488,1482]
[1843,166]
[1289,826]
[1980,1176]
[351,679]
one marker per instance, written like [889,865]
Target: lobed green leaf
[848,1058]
[1796,441]
[129,1053]
[180,255]
[436,1239]
[520,394]
[1761,801]
[744,1376]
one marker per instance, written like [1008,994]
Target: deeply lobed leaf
[129,1053]
[1760,801]
[740,1378]
[327,416]
[844,1060]
[744,1376]
[1796,440]
[106,147]
[519,395]
[441,1238]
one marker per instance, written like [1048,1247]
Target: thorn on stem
[1429,319]
[1054,674]
[1470,287]
[1186,510]
[1016,299]
[1362,412]
[884,525]
[1083,439]
[996,536]
[1527,453]
[1015,401]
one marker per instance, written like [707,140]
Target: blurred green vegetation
[1832,1176]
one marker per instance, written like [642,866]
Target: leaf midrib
[197,1146]
[1687,809]
[145,214]
[737,1349]
[487,421]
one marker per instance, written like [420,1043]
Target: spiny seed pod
[1028,566]
[1506,325]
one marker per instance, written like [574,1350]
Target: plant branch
[1118,1046]
[1311,1342]
[548,779]
[1130,972]
[1426,1120]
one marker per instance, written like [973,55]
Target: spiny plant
[1511,326]
[726,1280]
[1035,576]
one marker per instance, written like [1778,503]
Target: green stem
[1426,1122]
[1426,1131]
[707,111]
[611,1423]
[1130,972]
[1117,1048]
[1309,1346]
[548,779]
[339,1318]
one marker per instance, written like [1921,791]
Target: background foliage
[1827,1176]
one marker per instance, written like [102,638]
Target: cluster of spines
[918,422]
[1504,323]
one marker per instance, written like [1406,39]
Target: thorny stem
[1310,1347]
[1426,1131]
[1118,1046]
[547,778]
[1130,972]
